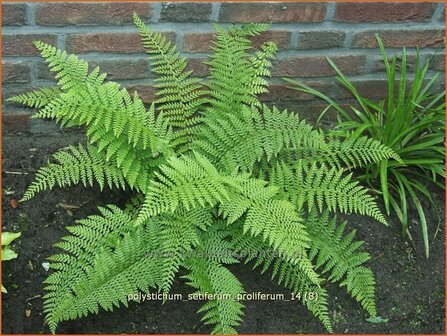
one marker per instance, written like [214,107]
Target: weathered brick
[280,37]
[22,44]
[13,14]
[123,69]
[282,92]
[115,69]
[199,68]
[379,65]
[372,89]
[197,42]
[320,39]
[201,42]
[401,38]
[185,12]
[384,12]
[55,14]
[107,42]
[438,62]
[15,122]
[272,12]
[145,91]
[442,15]
[15,72]
[314,66]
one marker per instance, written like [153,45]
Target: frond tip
[77,165]
[225,311]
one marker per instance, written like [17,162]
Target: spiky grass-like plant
[411,121]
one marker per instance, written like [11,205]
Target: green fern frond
[71,72]
[355,152]
[104,261]
[284,272]
[338,255]
[248,29]
[211,278]
[275,221]
[320,186]
[361,285]
[261,64]
[119,125]
[180,96]
[77,165]
[231,87]
[106,107]
[217,243]
[37,98]
[239,141]
[88,101]
[187,182]
[177,238]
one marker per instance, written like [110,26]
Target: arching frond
[253,249]
[240,141]
[338,255]
[211,278]
[179,96]
[323,187]
[235,77]
[103,261]
[77,165]
[37,98]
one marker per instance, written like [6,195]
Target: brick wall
[103,33]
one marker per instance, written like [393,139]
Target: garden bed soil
[410,288]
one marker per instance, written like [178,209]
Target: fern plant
[219,178]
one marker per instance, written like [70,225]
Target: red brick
[15,122]
[145,91]
[107,42]
[199,68]
[280,37]
[401,38]
[185,12]
[282,92]
[320,39]
[438,62]
[314,66]
[384,12]
[379,66]
[90,13]
[13,14]
[272,12]
[15,72]
[119,69]
[372,89]
[22,44]
[201,42]
[197,42]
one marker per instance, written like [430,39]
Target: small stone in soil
[46,266]
[13,203]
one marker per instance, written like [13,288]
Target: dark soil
[410,288]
